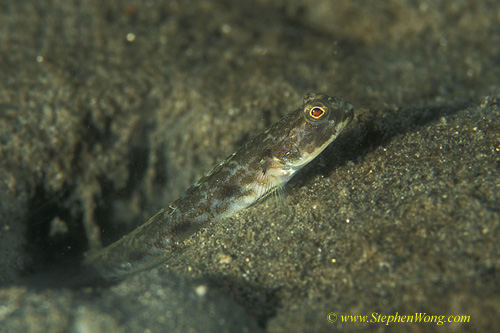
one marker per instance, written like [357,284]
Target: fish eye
[317,112]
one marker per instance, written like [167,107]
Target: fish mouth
[345,112]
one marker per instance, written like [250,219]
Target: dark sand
[110,110]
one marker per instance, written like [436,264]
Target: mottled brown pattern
[263,165]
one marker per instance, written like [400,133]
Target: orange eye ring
[316,112]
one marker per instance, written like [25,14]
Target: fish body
[265,164]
